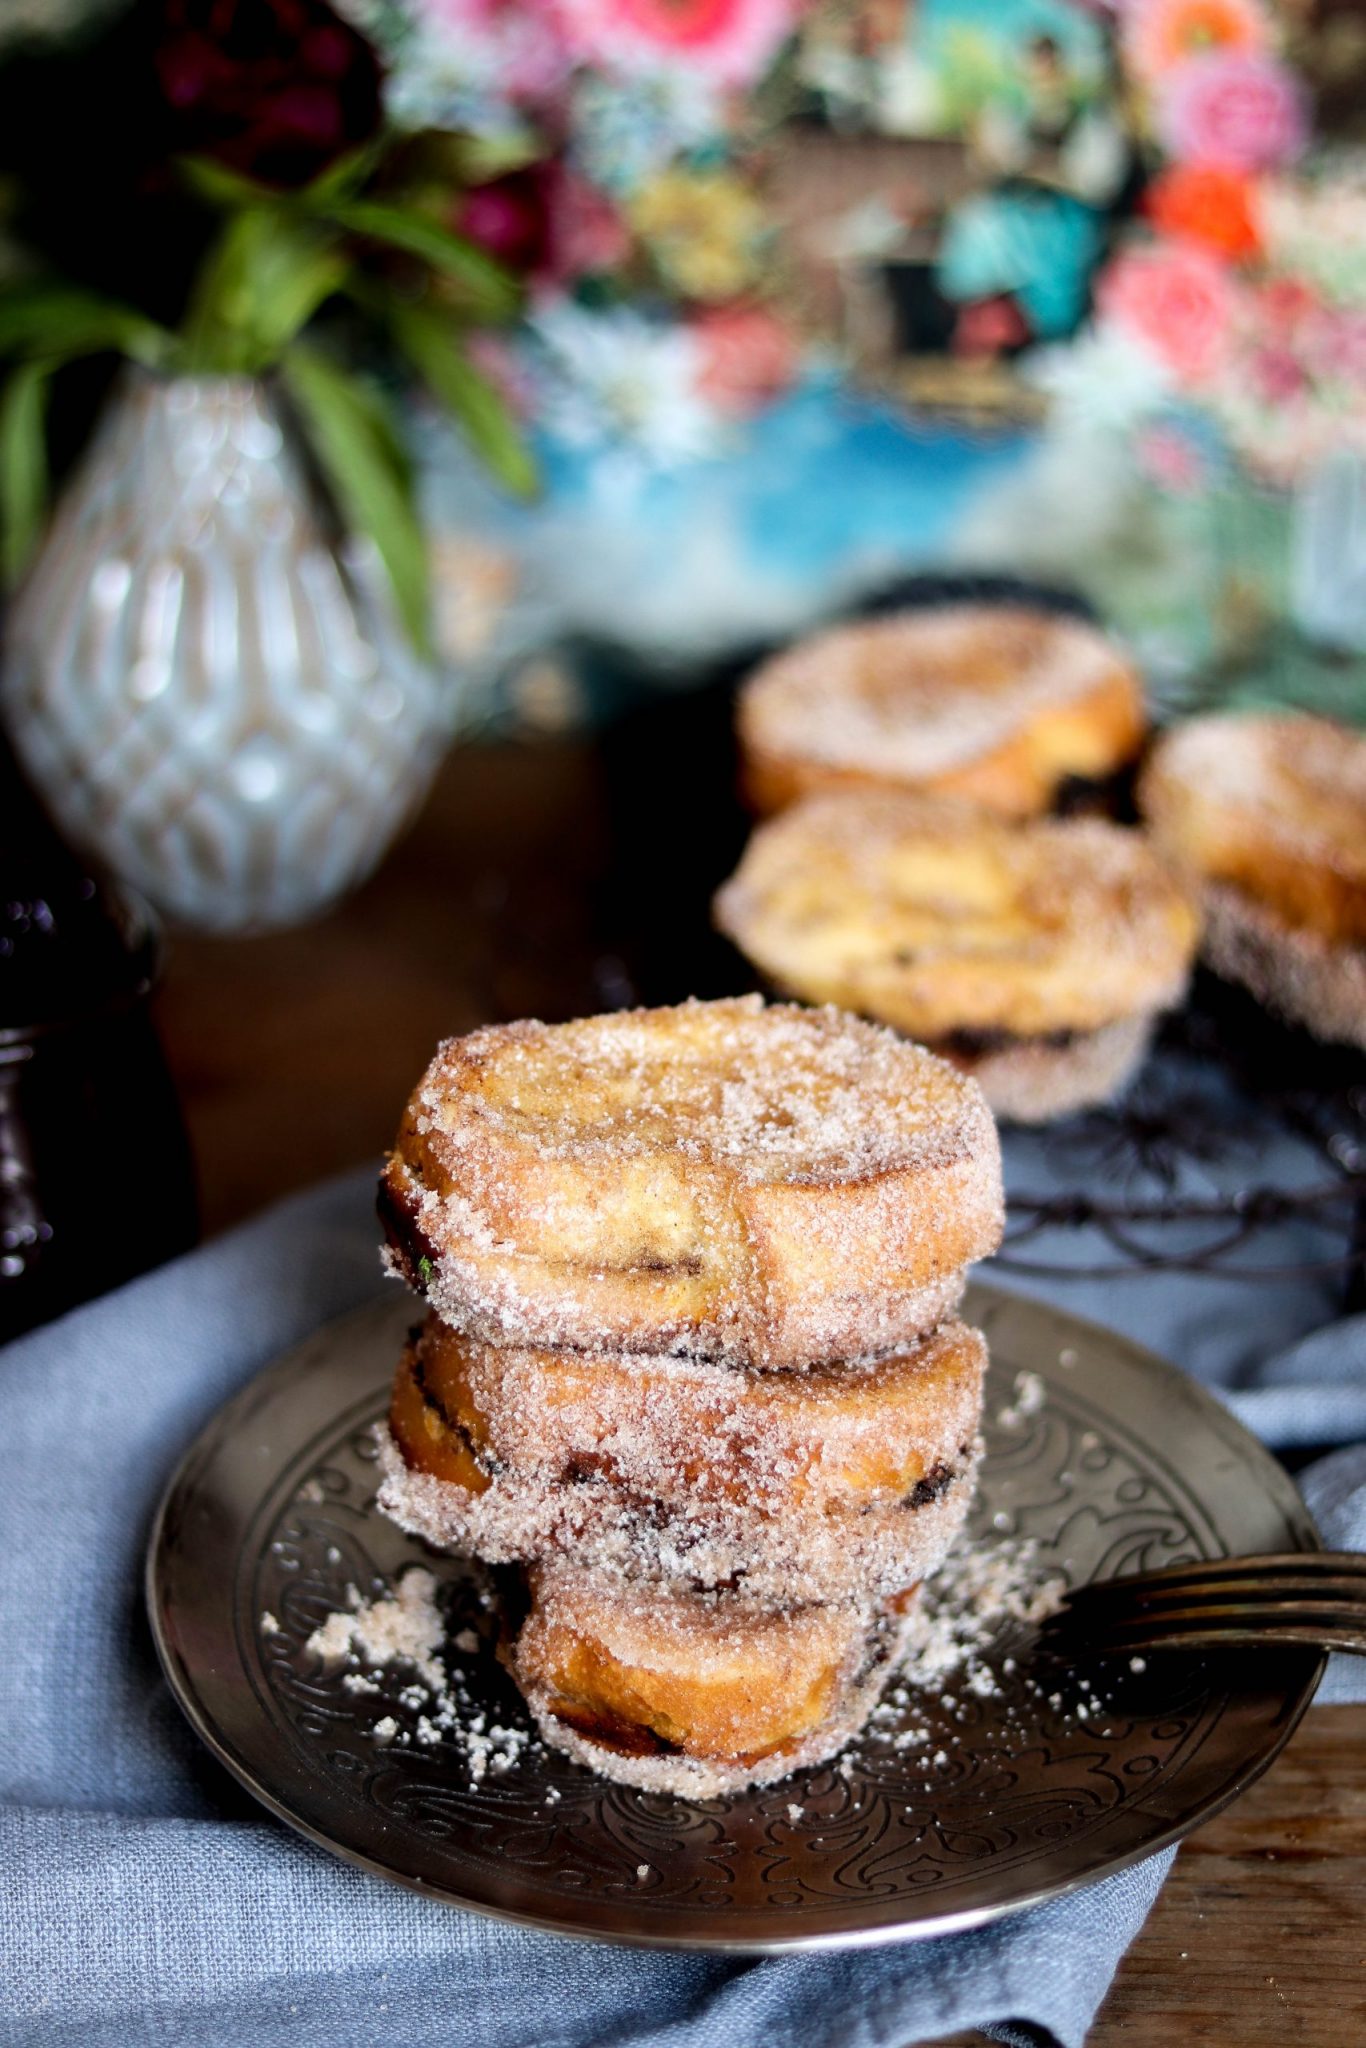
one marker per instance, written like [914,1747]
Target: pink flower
[1235,108]
[1171,459]
[988,327]
[747,357]
[730,42]
[1275,374]
[1335,345]
[1175,299]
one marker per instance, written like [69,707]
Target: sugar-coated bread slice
[1268,815]
[942,921]
[999,705]
[1273,806]
[686,1693]
[762,1184]
[847,1478]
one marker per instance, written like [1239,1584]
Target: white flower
[1104,380]
[615,375]
[625,130]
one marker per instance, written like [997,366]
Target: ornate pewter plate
[1009,1799]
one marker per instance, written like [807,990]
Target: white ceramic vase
[213,697]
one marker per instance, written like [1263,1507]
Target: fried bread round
[1274,806]
[764,1184]
[685,1693]
[1269,813]
[999,705]
[940,920]
[843,1478]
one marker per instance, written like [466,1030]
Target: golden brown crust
[430,1436]
[997,706]
[1272,806]
[682,1692]
[847,1478]
[938,919]
[685,1430]
[769,1185]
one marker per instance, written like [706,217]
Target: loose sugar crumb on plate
[406,1627]
[1030,1395]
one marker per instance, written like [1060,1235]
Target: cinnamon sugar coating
[850,1478]
[995,704]
[763,1184]
[624,1227]
[1268,814]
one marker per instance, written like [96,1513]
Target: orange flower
[1209,204]
[1159,34]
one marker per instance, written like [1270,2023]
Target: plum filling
[412,1248]
[612,1731]
[930,1486]
[482,1456]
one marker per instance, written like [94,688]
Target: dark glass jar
[96,1183]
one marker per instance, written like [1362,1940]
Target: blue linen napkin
[145,1899]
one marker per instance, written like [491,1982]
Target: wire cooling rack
[1237,1127]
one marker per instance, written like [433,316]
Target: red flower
[988,327]
[1209,204]
[546,223]
[510,217]
[276,88]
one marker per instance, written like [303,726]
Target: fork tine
[1142,1595]
[1335,1633]
[1235,1571]
[1222,1614]
[1340,1623]
[1306,1598]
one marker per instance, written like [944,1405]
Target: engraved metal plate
[1128,1464]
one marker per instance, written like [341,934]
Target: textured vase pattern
[211,698]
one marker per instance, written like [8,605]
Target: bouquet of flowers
[1207,429]
[620,140]
[1245,281]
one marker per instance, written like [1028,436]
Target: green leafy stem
[275,263]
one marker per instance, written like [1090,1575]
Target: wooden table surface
[565,877]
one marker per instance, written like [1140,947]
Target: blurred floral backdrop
[817,291]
